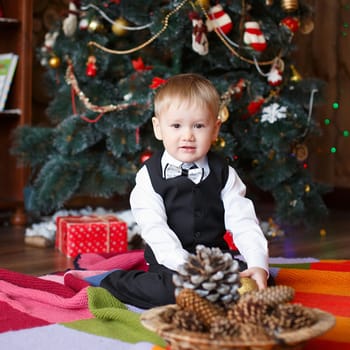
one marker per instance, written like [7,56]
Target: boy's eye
[176,125]
[199,125]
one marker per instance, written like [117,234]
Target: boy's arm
[149,212]
[241,221]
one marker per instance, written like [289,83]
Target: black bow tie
[194,173]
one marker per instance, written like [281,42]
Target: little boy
[187,195]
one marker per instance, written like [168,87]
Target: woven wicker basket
[185,340]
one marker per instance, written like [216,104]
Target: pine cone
[252,307]
[271,296]
[204,310]
[248,311]
[213,274]
[288,317]
[223,328]
[186,320]
[251,332]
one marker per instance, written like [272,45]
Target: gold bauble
[54,62]
[295,77]
[118,26]
[307,188]
[290,5]
[307,25]
[269,2]
[220,142]
[224,114]
[301,152]
[204,3]
[95,26]
[247,285]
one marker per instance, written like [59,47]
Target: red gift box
[90,234]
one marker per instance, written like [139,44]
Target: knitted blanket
[64,311]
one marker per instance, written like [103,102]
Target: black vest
[195,212]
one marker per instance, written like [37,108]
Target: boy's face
[187,131]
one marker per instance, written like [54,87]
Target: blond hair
[188,88]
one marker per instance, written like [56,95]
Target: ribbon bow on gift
[194,173]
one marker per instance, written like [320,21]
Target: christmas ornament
[139,65]
[203,3]
[219,19]
[290,5]
[146,155]
[54,62]
[199,39]
[323,232]
[253,36]
[220,142]
[274,77]
[292,23]
[119,26]
[306,26]
[269,2]
[301,152]
[156,82]
[295,77]
[224,114]
[247,285]
[95,26]
[70,23]
[47,48]
[91,68]
[83,24]
[254,106]
[273,113]
[211,274]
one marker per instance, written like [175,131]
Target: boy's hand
[258,274]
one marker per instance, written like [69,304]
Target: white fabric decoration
[70,23]
[273,112]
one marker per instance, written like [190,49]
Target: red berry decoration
[146,155]
[292,23]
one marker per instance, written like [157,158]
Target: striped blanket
[64,311]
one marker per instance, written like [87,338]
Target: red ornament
[292,23]
[91,68]
[146,155]
[253,36]
[139,65]
[156,82]
[219,19]
[255,105]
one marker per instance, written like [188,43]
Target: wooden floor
[296,242]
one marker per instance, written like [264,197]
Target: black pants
[145,289]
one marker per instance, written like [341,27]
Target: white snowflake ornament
[273,112]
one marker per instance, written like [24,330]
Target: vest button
[197,213]
[197,234]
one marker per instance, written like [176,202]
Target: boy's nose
[188,135]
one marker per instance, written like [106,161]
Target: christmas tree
[105,60]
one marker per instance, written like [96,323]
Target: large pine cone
[213,274]
[287,317]
[254,306]
[204,310]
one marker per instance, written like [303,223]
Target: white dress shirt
[240,219]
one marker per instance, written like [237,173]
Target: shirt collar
[168,159]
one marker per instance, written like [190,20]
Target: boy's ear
[217,129]
[156,128]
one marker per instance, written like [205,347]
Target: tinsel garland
[76,91]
